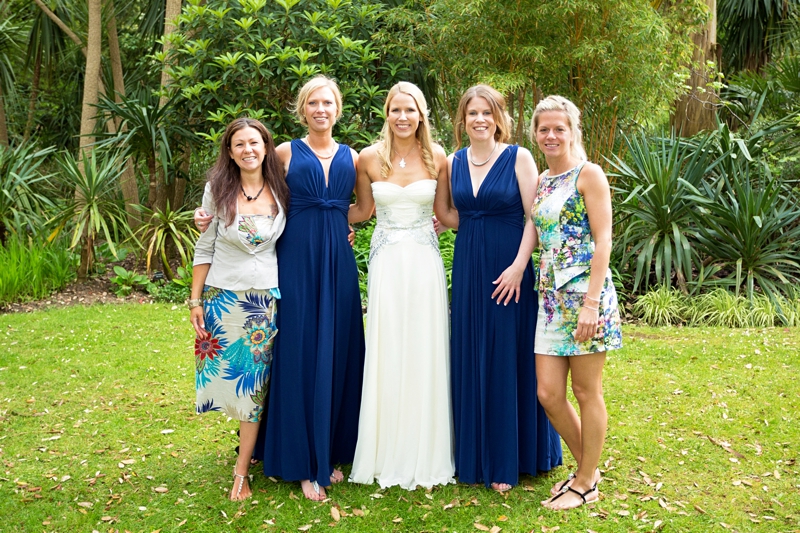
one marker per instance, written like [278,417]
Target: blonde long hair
[559,103]
[423,133]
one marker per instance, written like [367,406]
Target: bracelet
[595,309]
[587,297]
[194,302]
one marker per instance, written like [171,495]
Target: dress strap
[578,172]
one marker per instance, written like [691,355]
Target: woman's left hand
[587,324]
[508,285]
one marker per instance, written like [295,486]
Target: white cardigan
[235,266]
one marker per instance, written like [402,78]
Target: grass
[32,270]
[98,432]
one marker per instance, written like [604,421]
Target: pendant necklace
[469,153]
[251,198]
[402,162]
[333,150]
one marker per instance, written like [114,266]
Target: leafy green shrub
[32,270]
[176,291]
[657,190]
[127,281]
[249,58]
[724,308]
[662,306]
[170,293]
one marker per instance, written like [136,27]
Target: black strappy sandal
[581,494]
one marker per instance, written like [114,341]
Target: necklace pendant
[402,162]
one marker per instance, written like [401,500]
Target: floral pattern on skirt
[232,367]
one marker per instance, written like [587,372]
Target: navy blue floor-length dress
[312,417]
[501,430]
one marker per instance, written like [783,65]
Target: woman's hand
[588,320]
[508,285]
[351,237]
[196,314]
[201,219]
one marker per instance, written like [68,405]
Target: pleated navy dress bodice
[312,419]
[501,429]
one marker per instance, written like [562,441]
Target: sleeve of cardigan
[204,249]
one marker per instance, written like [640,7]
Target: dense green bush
[249,58]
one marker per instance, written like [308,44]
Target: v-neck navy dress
[312,418]
[501,430]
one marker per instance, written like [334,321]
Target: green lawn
[98,432]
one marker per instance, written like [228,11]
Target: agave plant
[165,230]
[750,228]
[656,209]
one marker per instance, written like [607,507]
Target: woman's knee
[550,395]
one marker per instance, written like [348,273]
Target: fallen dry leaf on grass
[335,514]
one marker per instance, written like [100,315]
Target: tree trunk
[180,184]
[696,111]
[171,13]
[91,90]
[127,182]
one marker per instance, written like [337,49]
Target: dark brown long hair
[225,177]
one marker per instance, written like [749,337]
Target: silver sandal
[241,479]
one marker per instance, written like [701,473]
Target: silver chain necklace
[333,150]
[469,155]
[402,162]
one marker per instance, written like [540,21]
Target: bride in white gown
[405,427]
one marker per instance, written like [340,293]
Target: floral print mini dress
[566,249]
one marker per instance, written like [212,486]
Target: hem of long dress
[384,484]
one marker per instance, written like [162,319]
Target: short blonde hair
[423,133]
[498,105]
[559,103]
[317,82]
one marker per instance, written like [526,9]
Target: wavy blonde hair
[423,133]
[559,103]
[498,104]
[317,82]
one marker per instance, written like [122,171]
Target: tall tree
[127,179]
[91,91]
[695,111]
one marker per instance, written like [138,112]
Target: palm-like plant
[751,229]
[95,210]
[146,131]
[165,230]
[656,209]
[20,205]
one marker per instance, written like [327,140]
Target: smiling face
[320,109]
[403,116]
[247,148]
[553,134]
[479,120]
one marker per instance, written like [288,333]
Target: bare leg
[587,385]
[248,431]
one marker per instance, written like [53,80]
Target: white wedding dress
[405,434]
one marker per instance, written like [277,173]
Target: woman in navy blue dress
[318,364]
[312,419]
[500,428]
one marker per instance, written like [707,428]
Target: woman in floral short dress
[578,314]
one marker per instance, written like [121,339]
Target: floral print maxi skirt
[233,366]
